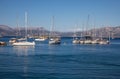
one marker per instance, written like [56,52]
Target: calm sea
[65,61]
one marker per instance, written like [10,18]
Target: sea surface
[64,61]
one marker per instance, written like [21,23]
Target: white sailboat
[41,38]
[24,43]
[87,39]
[75,38]
[102,40]
[53,39]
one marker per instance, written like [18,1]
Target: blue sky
[67,13]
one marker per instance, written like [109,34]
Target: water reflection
[23,55]
[23,50]
[25,67]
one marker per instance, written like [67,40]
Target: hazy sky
[67,13]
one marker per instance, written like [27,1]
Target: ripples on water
[65,61]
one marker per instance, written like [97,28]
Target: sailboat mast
[26,24]
[87,25]
[52,27]
[17,28]
[82,31]
[75,31]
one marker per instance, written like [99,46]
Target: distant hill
[6,30]
[36,31]
[114,32]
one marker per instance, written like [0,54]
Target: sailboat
[24,43]
[53,39]
[87,37]
[102,40]
[13,40]
[41,37]
[75,39]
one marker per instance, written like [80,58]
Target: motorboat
[2,43]
[13,40]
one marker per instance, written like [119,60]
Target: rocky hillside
[114,32]
[104,32]
[6,30]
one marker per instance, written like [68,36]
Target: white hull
[13,40]
[22,39]
[75,41]
[95,41]
[40,39]
[87,42]
[54,41]
[81,42]
[103,42]
[24,43]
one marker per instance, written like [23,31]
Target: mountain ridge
[104,31]
[6,30]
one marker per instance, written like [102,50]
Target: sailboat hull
[25,43]
[54,42]
[40,39]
